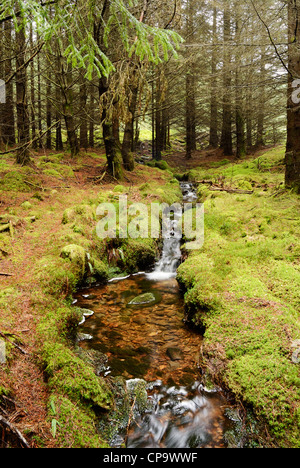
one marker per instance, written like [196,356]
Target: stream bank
[133,329]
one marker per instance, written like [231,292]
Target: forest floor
[33,201]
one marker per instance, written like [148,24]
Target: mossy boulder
[26,205]
[139,254]
[85,213]
[146,299]
[76,255]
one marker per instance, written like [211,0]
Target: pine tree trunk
[83,123]
[8,123]
[22,156]
[128,140]
[113,153]
[292,158]
[239,101]
[213,133]
[226,139]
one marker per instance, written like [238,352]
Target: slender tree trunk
[49,114]
[113,153]
[8,123]
[213,133]
[190,117]
[128,140]
[92,117]
[22,156]
[32,94]
[83,123]
[260,141]
[239,101]
[226,140]
[292,157]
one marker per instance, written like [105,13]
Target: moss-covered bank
[242,288]
[53,255]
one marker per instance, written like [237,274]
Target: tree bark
[113,153]
[213,133]
[22,156]
[226,140]
[292,157]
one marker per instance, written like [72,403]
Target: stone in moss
[84,212]
[76,255]
[26,205]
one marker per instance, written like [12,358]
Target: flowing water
[152,342]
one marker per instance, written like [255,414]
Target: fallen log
[5,274]
[231,190]
[217,188]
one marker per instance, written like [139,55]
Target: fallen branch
[230,190]
[6,274]
[4,227]
[15,431]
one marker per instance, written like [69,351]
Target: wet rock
[139,320]
[143,299]
[175,354]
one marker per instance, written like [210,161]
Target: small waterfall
[171,253]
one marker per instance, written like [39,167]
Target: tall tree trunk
[292,157]
[190,117]
[22,156]
[32,94]
[40,125]
[83,122]
[158,143]
[213,133]
[49,114]
[239,101]
[8,123]
[128,140]
[92,118]
[226,140]
[113,153]
[260,141]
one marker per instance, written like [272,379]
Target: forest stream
[150,341]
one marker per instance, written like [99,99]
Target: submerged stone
[175,354]
[145,299]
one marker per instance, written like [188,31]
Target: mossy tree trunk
[292,159]
[128,140]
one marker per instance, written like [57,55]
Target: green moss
[139,254]
[74,424]
[76,255]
